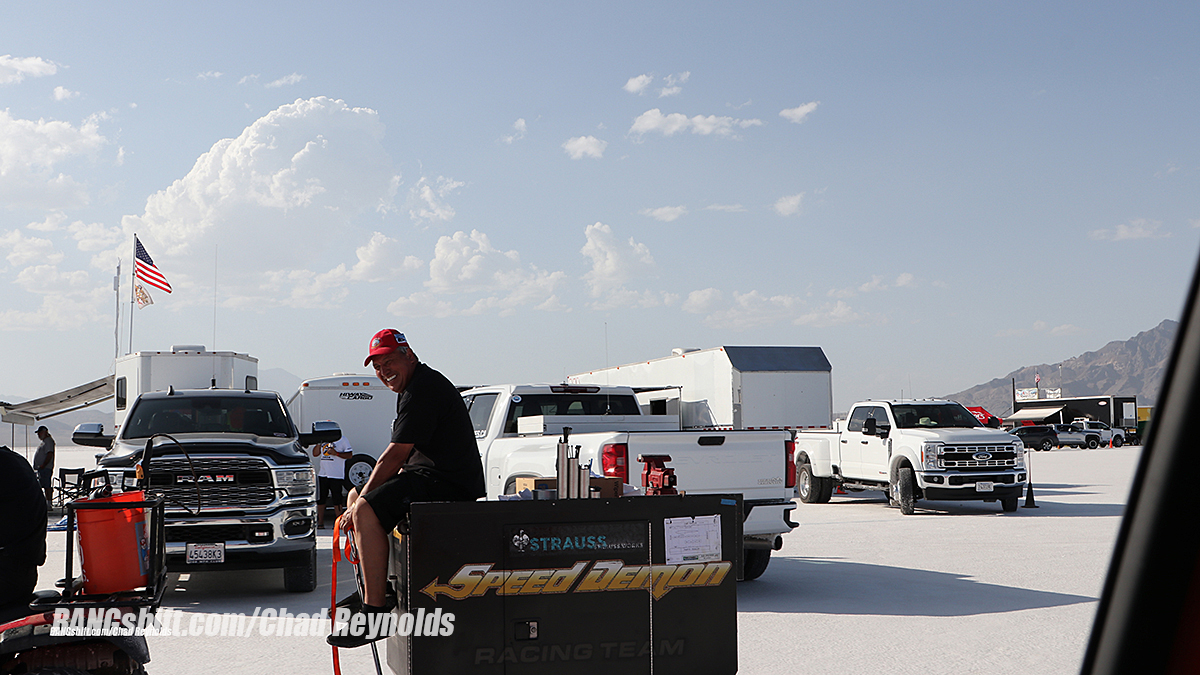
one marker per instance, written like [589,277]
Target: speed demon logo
[475,580]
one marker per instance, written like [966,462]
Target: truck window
[121,393]
[569,404]
[480,409]
[856,420]
[934,415]
[182,415]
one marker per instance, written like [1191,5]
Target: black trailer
[1115,411]
[629,585]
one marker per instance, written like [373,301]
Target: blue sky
[935,193]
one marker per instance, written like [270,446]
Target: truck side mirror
[870,426]
[325,431]
[91,434]
[993,422]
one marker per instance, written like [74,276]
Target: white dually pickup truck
[912,449]
[518,426]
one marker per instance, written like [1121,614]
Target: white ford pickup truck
[912,449]
[518,427]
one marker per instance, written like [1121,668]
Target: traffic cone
[1029,503]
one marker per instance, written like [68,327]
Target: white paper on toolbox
[693,539]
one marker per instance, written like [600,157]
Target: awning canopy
[56,404]
[1033,414]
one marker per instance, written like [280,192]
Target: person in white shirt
[331,476]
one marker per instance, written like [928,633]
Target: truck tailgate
[750,462]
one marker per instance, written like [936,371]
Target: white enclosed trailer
[731,387]
[184,367]
[362,407]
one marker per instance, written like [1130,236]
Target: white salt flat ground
[959,587]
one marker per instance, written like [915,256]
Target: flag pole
[132,286]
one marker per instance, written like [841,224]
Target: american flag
[145,270]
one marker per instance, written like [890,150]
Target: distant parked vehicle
[1107,433]
[1074,436]
[1038,436]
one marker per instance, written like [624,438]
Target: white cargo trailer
[184,367]
[362,407]
[731,387]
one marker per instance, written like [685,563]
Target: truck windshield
[940,415]
[568,404]
[207,414]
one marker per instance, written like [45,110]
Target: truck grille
[225,482]
[211,533]
[970,456]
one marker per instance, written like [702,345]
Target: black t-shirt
[431,415]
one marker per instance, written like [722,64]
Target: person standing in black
[43,461]
[432,457]
[22,533]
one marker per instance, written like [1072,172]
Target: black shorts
[331,488]
[392,500]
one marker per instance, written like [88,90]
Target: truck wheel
[826,490]
[358,470]
[1117,441]
[905,482]
[1046,445]
[1093,443]
[808,485]
[754,563]
[302,578]
[1009,504]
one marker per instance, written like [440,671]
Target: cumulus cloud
[23,250]
[291,187]
[876,283]
[654,121]
[796,115]
[427,200]
[95,236]
[616,264]
[31,152]
[64,94]
[637,85]
[585,146]
[828,315]
[51,223]
[789,205]
[294,78]
[209,75]
[519,128]
[1140,228]
[743,311]
[468,264]
[672,87]
[665,214]
[14,70]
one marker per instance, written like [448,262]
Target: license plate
[206,553]
[984,486]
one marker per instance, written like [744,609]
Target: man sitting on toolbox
[432,457]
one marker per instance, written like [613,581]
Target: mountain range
[1133,367]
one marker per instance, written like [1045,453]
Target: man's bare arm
[388,465]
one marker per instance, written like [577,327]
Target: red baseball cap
[385,341]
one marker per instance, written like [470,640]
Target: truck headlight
[297,482]
[1019,453]
[931,455]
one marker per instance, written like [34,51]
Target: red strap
[337,526]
